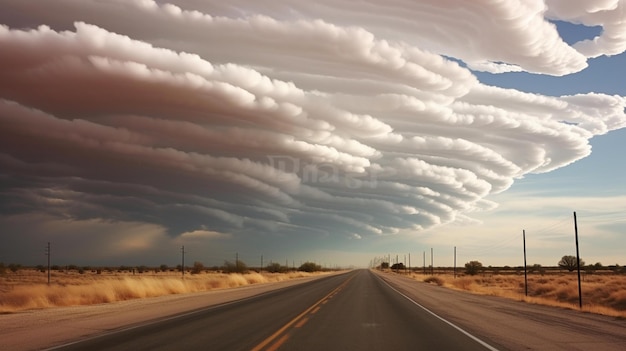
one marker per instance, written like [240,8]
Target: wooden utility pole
[182,268]
[580,294]
[454,269]
[48,253]
[424,262]
[525,274]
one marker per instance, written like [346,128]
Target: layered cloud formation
[229,119]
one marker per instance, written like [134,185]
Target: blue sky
[316,131]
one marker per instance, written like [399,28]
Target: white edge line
[489,347]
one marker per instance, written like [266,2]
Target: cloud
[201,234]
[249,119]
[606,13]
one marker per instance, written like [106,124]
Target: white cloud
[609,14]
[201,234]
[335,120]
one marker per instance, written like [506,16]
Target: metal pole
[424,262]
[182,268]
[580,294]
[525,274]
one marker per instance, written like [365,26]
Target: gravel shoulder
[45,328]
[515,325]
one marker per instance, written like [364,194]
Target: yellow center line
[280,331]
[278,343]
[302,322]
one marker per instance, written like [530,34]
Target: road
[352,311]
[363,310]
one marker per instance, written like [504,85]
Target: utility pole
[580,294]
[424,262]
[261,263]
[182,268]
[409,262]
[48,253]
[525,274]
[237,262]
[454,269]
[432,267]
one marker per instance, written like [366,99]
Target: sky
[330,131]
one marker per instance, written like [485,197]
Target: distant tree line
[567,262]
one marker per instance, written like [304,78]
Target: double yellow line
[298,321]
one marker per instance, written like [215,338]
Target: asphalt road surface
[352,311]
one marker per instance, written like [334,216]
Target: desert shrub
[276,268]
[542,289]
[310,267]
[567,294]
[473,267]
[398,266]
[198,267]
[142,269]
[537,268]
[569,262]
[463,283]
[617,300]
[236,267]
[434,280]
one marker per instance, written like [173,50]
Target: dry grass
[29,289]
[601,293]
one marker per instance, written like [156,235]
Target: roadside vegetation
[603,288]
[27,288]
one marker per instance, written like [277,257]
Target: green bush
[237,267]
[473,267]
[276,268]
[310,267]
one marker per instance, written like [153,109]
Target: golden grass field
[602,293]
[28,289]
